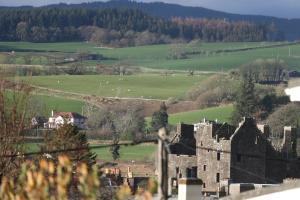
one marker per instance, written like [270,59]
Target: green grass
[143,152]
[156,56]
[222,113]
[56,103]
[138,86]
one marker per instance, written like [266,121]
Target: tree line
[106,25]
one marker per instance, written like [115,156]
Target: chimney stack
[289,140]
[265,129]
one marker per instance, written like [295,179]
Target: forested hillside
[119,27]
[284,29]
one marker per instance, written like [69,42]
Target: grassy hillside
[138,86]
[143,152]
[202,56]
[222,113]
[55,103]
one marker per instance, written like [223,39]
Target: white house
[59,118]
[294,93]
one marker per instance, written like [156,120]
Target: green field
[143,152]
[156,56]
[139,86]
[56,103]
[222,114]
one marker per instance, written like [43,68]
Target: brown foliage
[13,104]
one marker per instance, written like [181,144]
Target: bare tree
[13,103]
[124,122]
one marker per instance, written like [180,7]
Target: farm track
[66,94]
[149,105]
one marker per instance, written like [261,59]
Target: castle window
[194,172]
[204,167]
[177,170]
[201,143]
[218,156]
[218,177]
[239,157]
[188,173]
[204,185]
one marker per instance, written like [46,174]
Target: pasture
[200,56]
[222,114]
[148,86]
[142,152]
[45,104]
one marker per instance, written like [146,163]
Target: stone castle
[221,154]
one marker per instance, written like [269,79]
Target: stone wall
[213,156]
[248,151]
[222,155]
[181,166]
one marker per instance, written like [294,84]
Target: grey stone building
[221,154]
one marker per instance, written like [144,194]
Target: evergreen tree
[160,118]
[69,137]
[246,103]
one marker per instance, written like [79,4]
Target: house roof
[69,115]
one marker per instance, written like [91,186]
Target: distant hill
[290,28]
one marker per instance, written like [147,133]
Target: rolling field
[138,86]
[157,56]
[222,114]
[143,152]
[56,103]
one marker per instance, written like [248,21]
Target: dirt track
[149,105]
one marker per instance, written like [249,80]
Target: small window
[204,167]
[188,173]
[218,156]
[239,157]
[218,177]
[203,185]
[194,172]
[201,143]
[177,170]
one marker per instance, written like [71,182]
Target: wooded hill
[113,26]
[286,29]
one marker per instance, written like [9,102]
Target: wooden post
[162,161]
